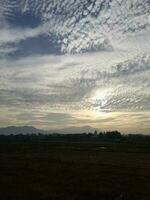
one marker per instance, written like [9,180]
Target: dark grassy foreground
[74,171]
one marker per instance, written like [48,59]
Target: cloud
[100,61]
[127,88]
[77,26]
[9,35]
[138,64]
[110,90]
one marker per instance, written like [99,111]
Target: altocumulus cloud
[73,56]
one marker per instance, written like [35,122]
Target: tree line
[91,136]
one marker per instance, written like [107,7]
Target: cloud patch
[75,57]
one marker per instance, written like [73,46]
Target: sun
[100,96]
[99,99]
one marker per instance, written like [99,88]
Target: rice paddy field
[62,170]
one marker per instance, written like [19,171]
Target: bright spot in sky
[75,63]
[100,98]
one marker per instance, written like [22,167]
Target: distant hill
[30,130]
[20,130]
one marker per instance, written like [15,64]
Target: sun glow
[99,99]
[100,96]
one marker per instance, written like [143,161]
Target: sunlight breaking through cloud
[75,57]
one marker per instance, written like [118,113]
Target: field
[74,171]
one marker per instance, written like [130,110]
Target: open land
[64,170]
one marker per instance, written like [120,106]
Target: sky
[75,63]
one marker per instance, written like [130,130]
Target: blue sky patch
[24,20]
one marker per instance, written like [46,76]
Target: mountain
[19,130]
[30,130]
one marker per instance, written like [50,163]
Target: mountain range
[30,130]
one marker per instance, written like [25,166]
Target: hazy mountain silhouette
[19,130]
[30,130]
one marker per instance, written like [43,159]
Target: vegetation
[105,166]
[113,136]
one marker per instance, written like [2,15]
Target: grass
[74,171]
